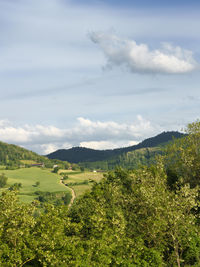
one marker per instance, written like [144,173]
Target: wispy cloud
[138,58]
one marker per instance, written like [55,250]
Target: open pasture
[28,177]
[80,182]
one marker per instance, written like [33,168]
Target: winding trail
[72,190]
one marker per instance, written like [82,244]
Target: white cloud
[93,134]
[110,130]
[49,148]
[102,145]
[99,144]
[138,58]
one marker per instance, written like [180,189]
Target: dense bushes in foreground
[147,217]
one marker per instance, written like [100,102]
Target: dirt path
[72,190]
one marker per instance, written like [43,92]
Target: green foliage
[129,160]
[13,157]
[28,177]
[85,182]
[144,217]
[139,207]
[56,198]
[16,224]
[37,183]
[183,158]
[55,169]
[75,168]
[65,177]
[3,180]
[15,186]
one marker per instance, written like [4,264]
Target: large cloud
[93,134]
[140,59]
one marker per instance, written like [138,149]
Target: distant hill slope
[82,154]
[12,155]
[127,160]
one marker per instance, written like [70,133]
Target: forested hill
[81,154]
[12,155]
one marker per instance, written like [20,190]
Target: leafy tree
[16,224]
[182,158]
[152,225]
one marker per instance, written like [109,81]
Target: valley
[76,184]
[56,213]
[40,178]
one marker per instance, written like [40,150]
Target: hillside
[13,156]
[82,154]
[128,160]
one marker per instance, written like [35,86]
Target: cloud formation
[138,58]
[107,144]
[88,133]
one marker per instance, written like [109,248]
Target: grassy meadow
[76,179]
[80,182]
[48,181]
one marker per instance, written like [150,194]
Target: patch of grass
[26,198]
[28,161]
[77,179]
[48,181]
[80,189]
[69,172]
[2,167]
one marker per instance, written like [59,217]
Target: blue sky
[142,3]
[100,74]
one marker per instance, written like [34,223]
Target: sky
[100,74]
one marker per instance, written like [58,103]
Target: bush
[15,186]
[55,170]
[37,183]
[65,177]
[3,180]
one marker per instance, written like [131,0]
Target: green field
[49,182]
[79,178]
[28,161]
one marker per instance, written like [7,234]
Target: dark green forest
[129,160]
[85,155]
[149,216]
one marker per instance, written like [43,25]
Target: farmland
[28,177]
[38,179]
[80,182]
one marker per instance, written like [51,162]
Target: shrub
[3,180]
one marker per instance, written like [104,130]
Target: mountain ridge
[83,154]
